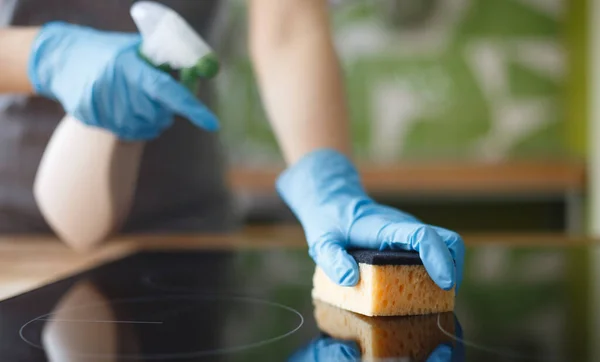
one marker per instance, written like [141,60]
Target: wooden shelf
[508,178]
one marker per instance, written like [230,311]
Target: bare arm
[15,47]
[299,75]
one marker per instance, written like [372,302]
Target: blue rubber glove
[325,349]
[323,190]
[99,78]
[450,352]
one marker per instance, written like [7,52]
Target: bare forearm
[299,75]
[15,48]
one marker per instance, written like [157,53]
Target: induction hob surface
[255,305]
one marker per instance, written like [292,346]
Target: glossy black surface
[525,304]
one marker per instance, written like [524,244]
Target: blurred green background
[440,82]
[469,80]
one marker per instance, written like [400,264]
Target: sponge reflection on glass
[391,283]
[414,337]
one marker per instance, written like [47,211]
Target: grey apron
[181,185]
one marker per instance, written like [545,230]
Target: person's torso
[181,175]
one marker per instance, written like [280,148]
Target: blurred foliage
[429,50]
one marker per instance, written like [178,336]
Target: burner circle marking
[168,356]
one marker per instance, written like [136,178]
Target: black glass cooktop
[526,304]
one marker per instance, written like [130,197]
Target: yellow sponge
[394,338]
[391,283]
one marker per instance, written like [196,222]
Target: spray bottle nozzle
[208,66]
[169,43]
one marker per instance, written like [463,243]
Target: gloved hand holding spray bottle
[87,177]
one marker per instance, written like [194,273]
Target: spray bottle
[87,177]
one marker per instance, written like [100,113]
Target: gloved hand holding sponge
[325,193]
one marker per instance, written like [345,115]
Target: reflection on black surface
[64,331]
[515,304]
[348,336]
[87,325]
